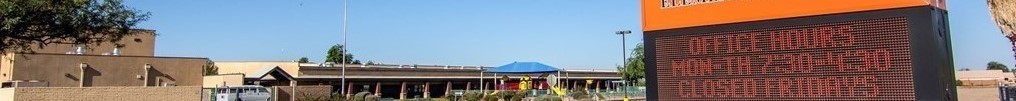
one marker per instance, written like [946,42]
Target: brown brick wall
[108,94]
[284,93]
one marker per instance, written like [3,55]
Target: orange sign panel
[669,14]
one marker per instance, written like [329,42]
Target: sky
[568,34]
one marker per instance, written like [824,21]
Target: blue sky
[564,33]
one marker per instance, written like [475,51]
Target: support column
[83,67]
[292,84]
[402,91]
[448,88]
[573,84]
[598,86]
[426,90]
[377,89]
[486,85]
[468,85]
[148,68]
[349,89]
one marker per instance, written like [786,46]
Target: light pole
[345,21]
[624,55]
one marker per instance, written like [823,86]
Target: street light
[624,54]
[345,7]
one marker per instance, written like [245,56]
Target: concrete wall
[107,93]
[218,80]
[61,70]
[227,67]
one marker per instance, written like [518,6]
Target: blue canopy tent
[520,68]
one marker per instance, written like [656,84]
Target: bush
[337,97]
[471,96]
[548,98]
[579,94]
[494,97]
[311,97]
[360,96]
[372,98]
[519,95]
[598,95]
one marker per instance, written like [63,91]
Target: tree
[369,62]
[997,66]
[303,60]
[336,53]
[1004,14]
[964,69]
[210,69]
[25,24]
[635,69]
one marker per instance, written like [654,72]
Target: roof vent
[116,51]
[328,64]
[79,50]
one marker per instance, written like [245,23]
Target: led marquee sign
[899,54]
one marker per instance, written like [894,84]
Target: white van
[242,93]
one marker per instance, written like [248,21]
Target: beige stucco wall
[61,70]
[140,44]
[6,61]
[192,93]
[227,67]
[218,80]
[6,94]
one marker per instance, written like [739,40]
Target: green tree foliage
[303,60]
[335,54]
[635,69]
[210,68]
[993,65]
[28,23]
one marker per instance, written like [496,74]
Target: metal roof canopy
[523,68]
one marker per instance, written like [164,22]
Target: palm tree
[1004,13]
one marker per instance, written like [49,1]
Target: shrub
[494,97]
[505,95]
[519,95]
[311,97]
[337,97]
[598,95]
[579,94]
[360,96]
[471,96]
[548,98]
[372,98]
